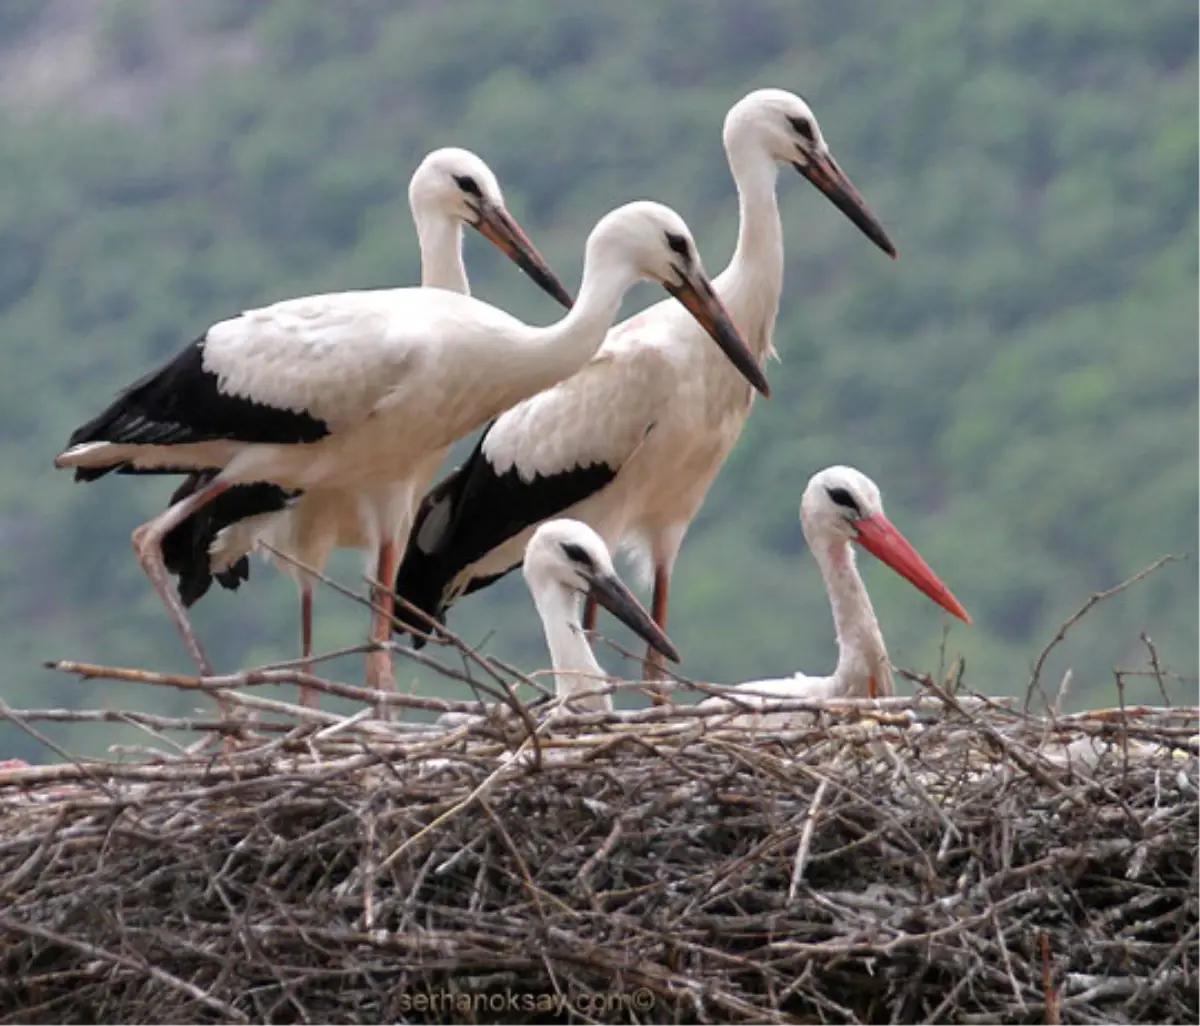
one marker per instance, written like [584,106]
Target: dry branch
[895,861]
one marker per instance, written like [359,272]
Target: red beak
[877,535]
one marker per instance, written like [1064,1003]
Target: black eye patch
[468,185]
[843,498]
[804,129]
[678,244]
[578,554]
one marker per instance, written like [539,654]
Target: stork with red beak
[842,509]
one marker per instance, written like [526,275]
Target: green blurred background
[1022,383]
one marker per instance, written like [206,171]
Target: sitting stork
[841,508]
[564,562]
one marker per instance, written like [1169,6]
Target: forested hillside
[1022,382]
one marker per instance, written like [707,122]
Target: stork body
[841,508]
[449,189]
[357,391]
[632,443]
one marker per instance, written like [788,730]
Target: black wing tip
[421,582]
[86,475]
[182,402]
[186,547]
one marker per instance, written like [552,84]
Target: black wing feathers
[485,510]
[182,403]
[186,547]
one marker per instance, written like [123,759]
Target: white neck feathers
[862,654]
[575,667]
[751,285]
[440,238]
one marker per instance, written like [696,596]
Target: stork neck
[575,667]
[861,651]
[558,351]
[440,238]
[751,285]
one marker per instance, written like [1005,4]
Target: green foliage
[1022,383]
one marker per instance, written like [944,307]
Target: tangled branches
[932,860]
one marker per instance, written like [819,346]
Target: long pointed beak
[877,535]
[702,303]
[498,226]
[612,594]
[822,170]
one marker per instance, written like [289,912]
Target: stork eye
[578,554]
[468,185]
[804,129]
[678,244]
[843,498]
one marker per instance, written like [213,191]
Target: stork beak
[701,302]
[822,170]
[498,226]
[877,535]
[611,593]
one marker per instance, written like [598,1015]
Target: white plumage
[842,507]
[564,561]
[376,383]
[450,188]
[657,406]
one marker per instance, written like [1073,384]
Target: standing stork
[450,188]
[842,507]
[631,444]
[354,391]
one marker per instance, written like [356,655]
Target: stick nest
[904,861]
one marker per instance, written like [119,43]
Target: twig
[806,835]
[13,716]
[1156,667]
[125,963]
[1098,597]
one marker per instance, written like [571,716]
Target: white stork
[841,507]
[355,391]
[450,188]
[632,443]
[564,562]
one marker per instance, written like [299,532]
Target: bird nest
[940,859]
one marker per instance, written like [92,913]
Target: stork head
[781,124]
[459,185]
[650,241]
[570,556]
[842,505]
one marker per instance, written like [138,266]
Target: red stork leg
[147,545]
[308,697]
[380,675]
[652,668]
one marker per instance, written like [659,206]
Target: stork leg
[590,608]
[380,675]
[147,544]
[652,668]
[308,697]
